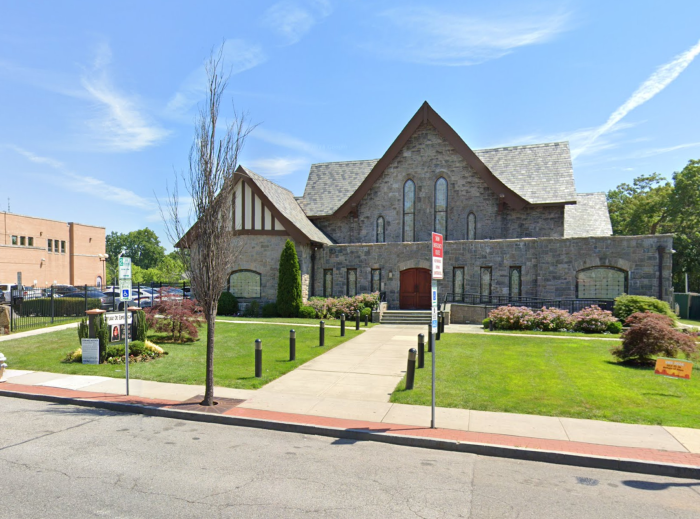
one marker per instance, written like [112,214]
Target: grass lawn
[575,378]
[691,322]
[560,334]
[45,322]
[234,364]
[349,323]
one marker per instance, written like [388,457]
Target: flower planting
[589,320]
[139,351]
[333,307]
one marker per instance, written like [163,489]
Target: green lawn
[350,323]
[45,322]
[560,334]
[233,357]
[575,378]
[691,322]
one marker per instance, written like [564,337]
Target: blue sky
[97,99]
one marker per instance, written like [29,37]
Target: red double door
[414,292]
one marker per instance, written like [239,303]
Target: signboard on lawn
[673,368]
[117,328]
[438,253]
[91,350]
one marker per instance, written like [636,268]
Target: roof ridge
[344,161]
[520,146]
[268,180]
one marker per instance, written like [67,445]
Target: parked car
[142,299]
[105,302]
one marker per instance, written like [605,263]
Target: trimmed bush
[332,307]
[486,322]
[289,299]
[551,320]
[307,312]
[83,330]
[615,327]
[588,320]
[651,334]
[512,318]
[228,304]
[366,311]
[592,320]
[270,310]
[627,305]
[62,306]
[252,310]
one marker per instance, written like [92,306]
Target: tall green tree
[289,299]
[142,246]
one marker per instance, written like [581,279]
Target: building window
[376,280]
[351,287]
[441,206]
[601,283]
[328,283]
[63,247]
[409,211]
[98,281]
[244,284]
[458,283]
[50,245]
[380,229]
[485,283]
[14,240]
[23,241]
[30,241]
[471,226]
[515,282]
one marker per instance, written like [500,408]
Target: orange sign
[674,368]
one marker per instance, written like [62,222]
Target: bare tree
[211,240]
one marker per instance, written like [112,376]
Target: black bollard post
[292,345]
[258,358]
[411,368]
[342,325]
[437,332]
[430,334]
[366,319]
[421,351]
[322,334]
[490,325]
[357,320]
[442,322]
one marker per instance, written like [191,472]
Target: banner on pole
[438,253]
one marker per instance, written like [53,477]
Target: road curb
[482,449]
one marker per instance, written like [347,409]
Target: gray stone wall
[549,265]
[425,158]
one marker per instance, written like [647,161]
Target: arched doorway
[414,292]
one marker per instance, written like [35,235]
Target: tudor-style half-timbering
[250,213]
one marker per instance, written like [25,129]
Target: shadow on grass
[630,365]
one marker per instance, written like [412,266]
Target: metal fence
[35,307]
[535,303]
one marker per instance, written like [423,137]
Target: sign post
[125,296]
[438,253]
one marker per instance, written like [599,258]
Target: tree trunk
[209,381]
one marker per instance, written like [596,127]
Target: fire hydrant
[2,367]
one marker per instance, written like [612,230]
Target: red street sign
[438,253]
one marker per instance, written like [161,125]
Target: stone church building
[513,224]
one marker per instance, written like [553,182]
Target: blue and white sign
[434,301]
[125,294]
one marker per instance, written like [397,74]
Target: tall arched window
[441,206]
[409,211]
[380,229]
[471,226]
[601,283]
[244,284]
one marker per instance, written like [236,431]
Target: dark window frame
[22,241]
[481,281]
[371,280]
[603,267]
[63,247]
[49,244]
[228,283]
[473,216]
[327,293]
[457,295]
[383,229]
[520,281]
[14,240]
[447,201]
[412,214]
[30,241]
[347,281]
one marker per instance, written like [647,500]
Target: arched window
[98,281]
[601,283]
[244,284]
[471,226]
[409,211]
[380,229]
[441,206]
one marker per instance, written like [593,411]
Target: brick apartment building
[50,252]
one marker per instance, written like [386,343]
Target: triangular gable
[427,114]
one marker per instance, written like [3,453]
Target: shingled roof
[589,217]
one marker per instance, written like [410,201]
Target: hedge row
[62,306]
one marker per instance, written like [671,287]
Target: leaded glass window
[485,282]
[441,206]
[458,283]
[471,226]
[244,284]
[601,283]
[380,229]
[328,283]
[352,283]
[409,210]
[376,280]
[515,282]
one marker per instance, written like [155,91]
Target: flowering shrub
[593,320]
[552,320]
[332,307]
[652,334]
[512,318]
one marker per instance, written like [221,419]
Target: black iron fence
[534,303]
[37,307]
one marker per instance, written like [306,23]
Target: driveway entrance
[414,292]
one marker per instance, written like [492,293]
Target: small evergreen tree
[141,326]
[289,282]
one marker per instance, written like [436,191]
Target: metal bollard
[322,334]
[258,358]
[437,332]
[357,320]
[430,334]
[366,319]
[421,351]
[490,325]
[442,322]
[292,345]
[342,325]
[411,368]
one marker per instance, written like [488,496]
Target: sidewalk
[347,390]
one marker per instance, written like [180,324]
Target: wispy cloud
[238,56]
[86,184]
[279,166]
[660,79]
[118,124]
[433,37]
[292,20]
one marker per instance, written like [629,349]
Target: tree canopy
[148,258]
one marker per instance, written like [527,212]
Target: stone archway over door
[414,292]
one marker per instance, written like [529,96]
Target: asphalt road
[64,461]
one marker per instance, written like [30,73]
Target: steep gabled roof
[589,217]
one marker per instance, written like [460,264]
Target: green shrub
[270,310]
[366,311]
[486,322]
[252,310]
[102,333]
[83,330]
[627,305]
[228,304]
[307,312]
[141,326]
[615,327]
[289,299]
